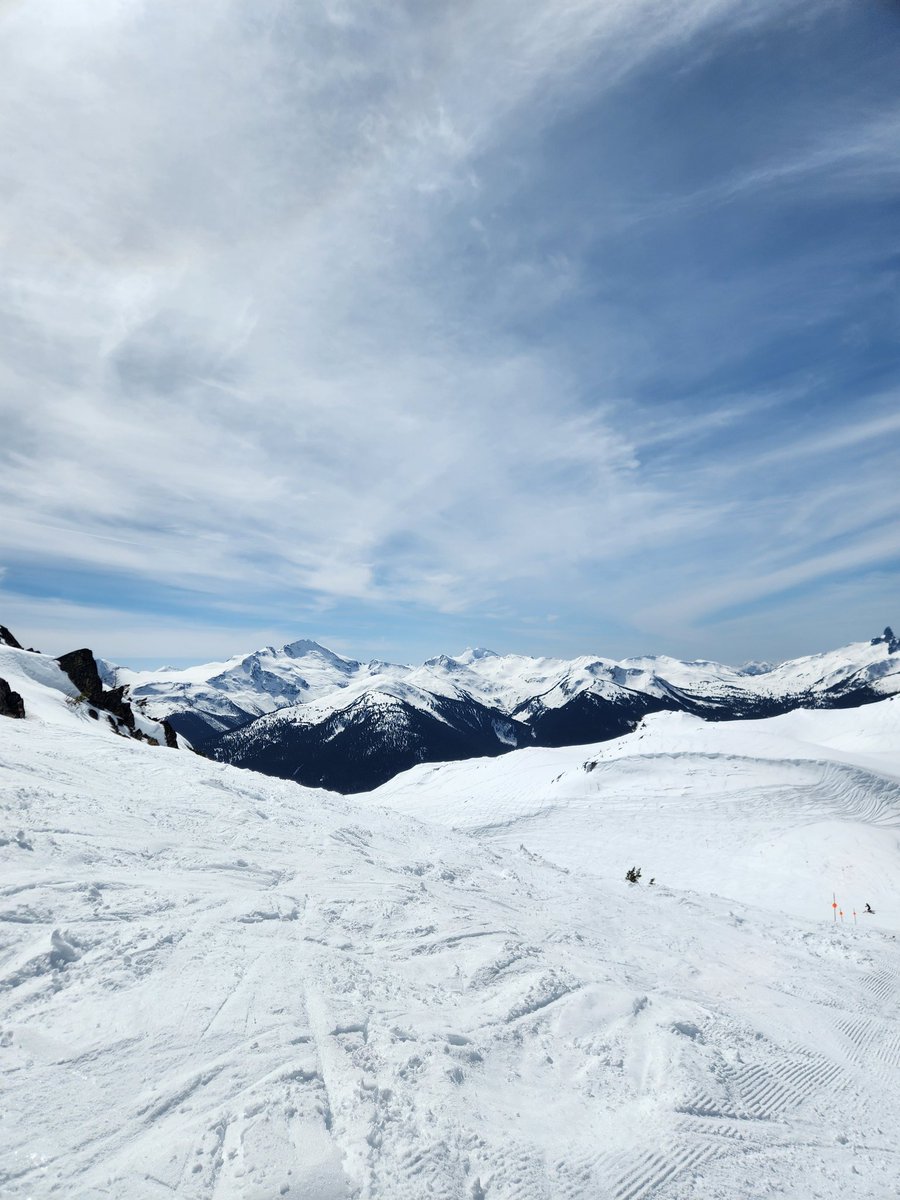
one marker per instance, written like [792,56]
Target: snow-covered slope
[366,734]
[779,812]
[224,986]
[47,690]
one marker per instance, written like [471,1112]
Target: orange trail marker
[834,907]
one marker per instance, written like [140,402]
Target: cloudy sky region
[557,326]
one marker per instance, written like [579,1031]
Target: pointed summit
[7,639]
[888,638]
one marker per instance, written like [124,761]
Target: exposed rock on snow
[888,638]
[75,680]
[7,639]
[83,670]
[11,703]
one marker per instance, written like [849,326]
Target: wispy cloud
[844,437]
[275,321]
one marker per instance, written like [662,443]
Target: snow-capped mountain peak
[304,648]
[475,654]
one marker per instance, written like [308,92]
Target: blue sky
[558,326]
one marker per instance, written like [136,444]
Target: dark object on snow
[889,638]
[633,875]
[7,639]
[869,909]
[652,881]
[81,668]
[11,703]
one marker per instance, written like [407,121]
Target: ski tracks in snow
[219,987]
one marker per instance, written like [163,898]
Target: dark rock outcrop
[115,702]
[7,639]
[888,638]
[11,703]
[81,668]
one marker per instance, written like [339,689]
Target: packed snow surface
[215,984]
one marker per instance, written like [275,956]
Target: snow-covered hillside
[778,812]
[371,735]
[215,984]
[40,680]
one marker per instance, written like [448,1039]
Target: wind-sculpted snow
[220,986]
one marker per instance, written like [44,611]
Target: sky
[555,326]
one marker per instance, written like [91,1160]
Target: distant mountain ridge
[307,713]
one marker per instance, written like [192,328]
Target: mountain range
[303,712]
